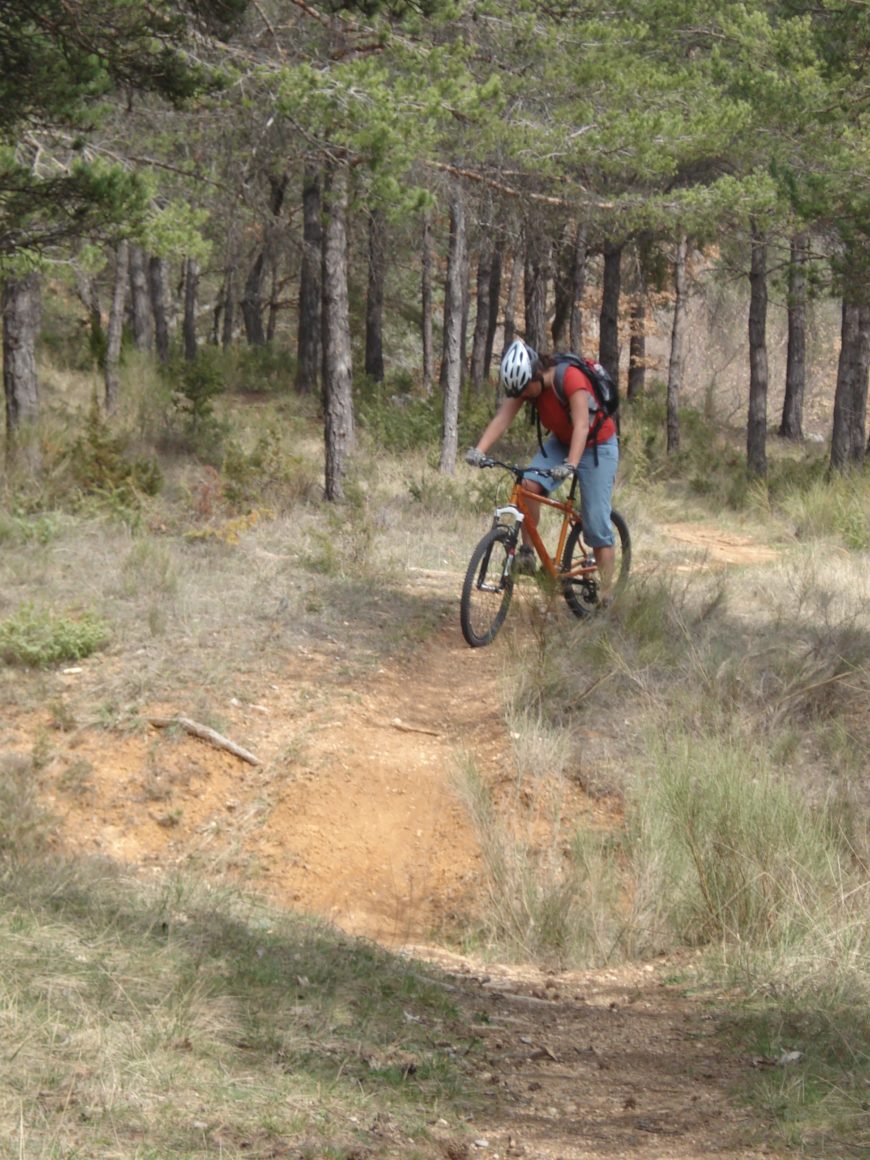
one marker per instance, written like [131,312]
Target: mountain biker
[527,376]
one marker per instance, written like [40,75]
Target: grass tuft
[552,893]
[729,851]
[836,509]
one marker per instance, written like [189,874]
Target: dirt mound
[352,811]
[348,808]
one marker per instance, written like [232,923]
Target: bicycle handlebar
[515,470]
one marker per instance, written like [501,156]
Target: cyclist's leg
[596,501]
[553,452]
[532,489]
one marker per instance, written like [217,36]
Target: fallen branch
[598,681]
[811,688]
[398,723]
[204,733]
[529,1000]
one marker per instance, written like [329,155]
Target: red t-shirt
[555,418]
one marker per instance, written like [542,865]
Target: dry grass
[728,707]
[189,1021]
[217,612]
[112,1000]
[550,893]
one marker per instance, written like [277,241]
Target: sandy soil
[352,813]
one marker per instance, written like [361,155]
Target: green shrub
[397,420]
[709,462]
[441,495]
[268,472]
[340,547]
[20,529]
[475,411]
[795,474]
[64,340]
[99,464]
[194,384]
[259,369]
[36,637]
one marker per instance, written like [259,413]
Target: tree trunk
[337,364]
[426,305]
[275,288]
[451,368]
[217,315]
[252,302]
[252,296]
[308,337]
[140,301]
[859,408]
[608,338]
[536,278]
[510,306]
[756,427]
[157,289]
[637,346]
[21,320]
[580,255]
[86,289]
[374,356]
[479,364]
[791,426]
[677,359]
[228,319]
[494,305]
[564,286]
[850,401]
[466,309]
[115,330]
[191,297]
[222,324]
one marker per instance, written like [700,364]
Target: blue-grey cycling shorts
[596,484]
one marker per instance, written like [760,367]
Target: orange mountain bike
[489,581]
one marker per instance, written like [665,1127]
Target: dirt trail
[353,814]
[602,1064]
[372,834]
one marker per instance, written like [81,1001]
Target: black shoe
[525,563]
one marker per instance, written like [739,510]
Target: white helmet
[519,364]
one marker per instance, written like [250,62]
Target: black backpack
[604,388]
[606,391]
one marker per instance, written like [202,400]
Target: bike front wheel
[488,587]
[582,592]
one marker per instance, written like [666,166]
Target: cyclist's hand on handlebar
[474,457]
[563,471]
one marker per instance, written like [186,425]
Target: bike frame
[519,510]
[489,577]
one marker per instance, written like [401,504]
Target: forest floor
[367,830]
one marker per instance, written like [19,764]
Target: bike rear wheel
[488,587]
[582,592]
